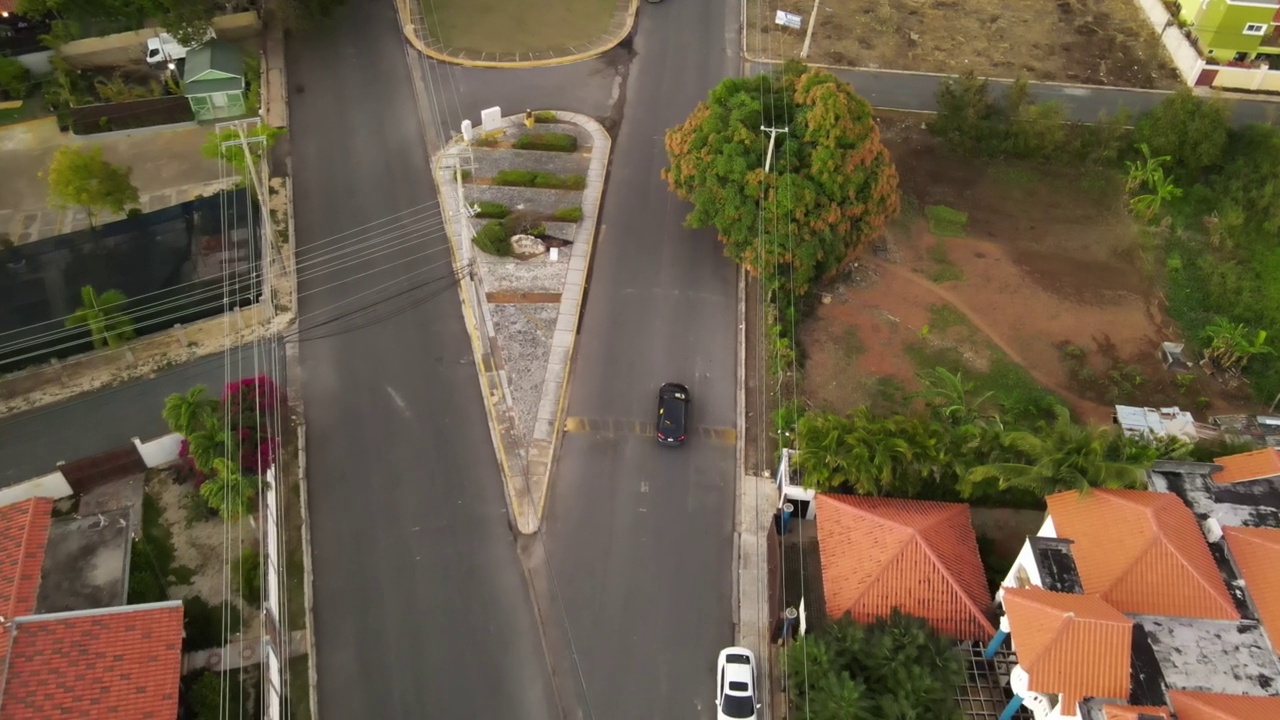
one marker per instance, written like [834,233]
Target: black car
[673,413]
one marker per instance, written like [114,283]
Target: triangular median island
[527,249]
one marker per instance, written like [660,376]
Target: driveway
[421,608]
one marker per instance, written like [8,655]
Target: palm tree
[229,491]
[104,316]
[190,413]
[211,444]
[1061,456]
[947,395]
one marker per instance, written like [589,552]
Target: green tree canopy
[82,178]
[831,185]
[1191,131]
[896,668]
[104,316]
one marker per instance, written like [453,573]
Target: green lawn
[507,28]
[32,108]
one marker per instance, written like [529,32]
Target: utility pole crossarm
[773,135]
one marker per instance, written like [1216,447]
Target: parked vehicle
[163,48]
[736,685]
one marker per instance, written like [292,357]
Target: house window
[1254,28]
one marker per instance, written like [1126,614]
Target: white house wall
[54,486]
[160,451]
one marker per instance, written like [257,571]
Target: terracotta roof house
[1213,706]
[1069,647]
[1245,467]
[921,557]
[1143,552]
[1256,554]
[118,663]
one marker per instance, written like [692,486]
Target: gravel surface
[511,275]
[532,199]
[524,334]
[490,162]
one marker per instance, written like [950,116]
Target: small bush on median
[494,239]
[569,214]
[536,179]
[545,116]
[491,210]
[550,142]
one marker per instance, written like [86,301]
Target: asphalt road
[421,608]
[32,443]
[645,533]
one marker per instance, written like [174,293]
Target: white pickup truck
[163,48]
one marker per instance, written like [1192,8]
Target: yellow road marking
[609,426]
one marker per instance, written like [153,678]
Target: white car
[736,685]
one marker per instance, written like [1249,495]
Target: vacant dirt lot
[1049,259]
[1094,42]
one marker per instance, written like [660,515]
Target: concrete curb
[527,483]
[411,34]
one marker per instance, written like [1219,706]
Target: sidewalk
[416,30]
[523,313]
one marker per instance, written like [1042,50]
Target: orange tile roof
[115,664]
[1256,552]
[1076,646]
[24,530]
[1143,552]
[1133,712]
[1212,706]
[921,557]
[1248,466]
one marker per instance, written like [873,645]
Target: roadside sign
[786,19]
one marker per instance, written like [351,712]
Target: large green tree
[83,178]
[1191,131]
[831,185]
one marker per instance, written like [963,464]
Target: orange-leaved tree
[831,185]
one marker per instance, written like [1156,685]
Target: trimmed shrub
[945,222]
[493,239]
[549,142]
[15,79]
[569,214]
[537,179]
[545,116]
[491,210]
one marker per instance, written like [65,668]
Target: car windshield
[738,706]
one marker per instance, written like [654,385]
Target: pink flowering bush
[253,404]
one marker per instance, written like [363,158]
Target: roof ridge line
[1208,585]
[953,580]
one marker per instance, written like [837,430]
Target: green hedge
[550,142]
[537,179]
[545,116]
[569,214]
[494,239]
[491,210]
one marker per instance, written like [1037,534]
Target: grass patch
[538,179]
[294,581]
[547,142]
[1014,177]
[944,316]
[298,697]
[547,27]
[569,214]
[1020,398]
[545,116]
[945,270]
[151,557]
[946,222]
[491,210]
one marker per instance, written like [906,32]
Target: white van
[163,48]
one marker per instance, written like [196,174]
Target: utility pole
[773,135]
[255,168]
